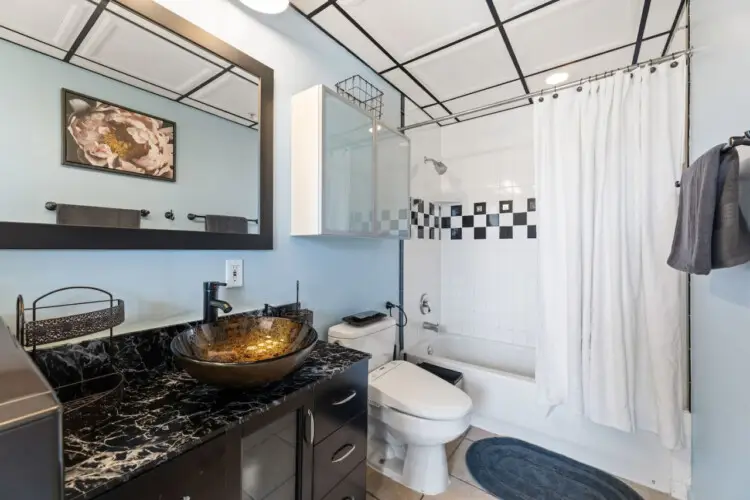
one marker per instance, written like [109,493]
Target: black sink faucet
[211,303]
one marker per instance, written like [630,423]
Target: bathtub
[499,378]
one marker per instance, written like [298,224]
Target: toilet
[412,413]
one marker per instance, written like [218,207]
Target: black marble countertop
[163,412]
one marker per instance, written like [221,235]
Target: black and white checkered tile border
[425,220]
[393,222]
[506,219]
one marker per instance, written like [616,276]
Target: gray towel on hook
[731,237]
[226,224]
[710,230]
[80,215]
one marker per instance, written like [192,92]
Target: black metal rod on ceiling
[537,93]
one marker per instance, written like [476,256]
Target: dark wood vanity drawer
[340,400]
[352,487]
[209,472]
[338,455]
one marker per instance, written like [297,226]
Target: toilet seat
[412,391]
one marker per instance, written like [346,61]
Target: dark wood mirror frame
[35,236]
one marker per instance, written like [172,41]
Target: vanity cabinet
[350,172]
[270,458]
[340,440]
[311,447]
[208,472]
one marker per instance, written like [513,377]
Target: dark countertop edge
[289,400]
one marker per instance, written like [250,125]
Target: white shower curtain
[613,343]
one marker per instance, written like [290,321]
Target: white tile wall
[490,287]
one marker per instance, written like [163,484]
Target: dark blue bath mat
[516,470]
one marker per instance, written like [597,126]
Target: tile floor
[463,486]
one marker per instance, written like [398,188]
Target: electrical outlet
[234,274]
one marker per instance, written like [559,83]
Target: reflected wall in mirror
[197,121]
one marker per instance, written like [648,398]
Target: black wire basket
[362,93]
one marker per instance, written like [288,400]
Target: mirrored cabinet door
[392,183]
[347,168]
[273,461]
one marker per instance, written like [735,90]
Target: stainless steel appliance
[31,459]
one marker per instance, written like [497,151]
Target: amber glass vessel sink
[243,351]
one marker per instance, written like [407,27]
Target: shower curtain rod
[546,91]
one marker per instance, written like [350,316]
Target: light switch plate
[234,273]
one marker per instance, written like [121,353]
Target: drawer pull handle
[345,455]
[312,426]
[348,498]
[346,399]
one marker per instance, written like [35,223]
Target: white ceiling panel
[402,81]
[337,25]
[308,6]
[661,16]
[573,29]
[491,96]
[214,111]
[409,28]
[244,74]
[57,23]
[132,50]
[415,115]
[680,41]
[511,8]
[651,49]
[165,34]
[32,44]
[98,68]
[231,93]
[584,69]
[465,67]
[439,112]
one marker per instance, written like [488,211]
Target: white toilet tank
[377,339]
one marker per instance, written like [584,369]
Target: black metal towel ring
[193,217]
[52,206]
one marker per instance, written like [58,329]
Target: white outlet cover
[234,273]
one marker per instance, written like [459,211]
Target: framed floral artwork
[104,136]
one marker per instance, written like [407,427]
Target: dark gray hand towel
[731,238]
[710,230]
[226,224]
[80,215]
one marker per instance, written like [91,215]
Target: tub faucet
[431,326]
[211,303]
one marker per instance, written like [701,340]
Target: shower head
[440,167]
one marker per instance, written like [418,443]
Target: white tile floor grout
[463,486]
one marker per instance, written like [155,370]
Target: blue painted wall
[338,276]
[720,302]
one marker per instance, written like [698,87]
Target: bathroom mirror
[127,127]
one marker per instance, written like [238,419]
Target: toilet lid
[408,388]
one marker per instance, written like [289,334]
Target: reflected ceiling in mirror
[105,56]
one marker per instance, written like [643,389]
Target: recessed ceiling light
[557,78]
[267,6]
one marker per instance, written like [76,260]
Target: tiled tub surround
[489,271]
[486,220]
[163,411]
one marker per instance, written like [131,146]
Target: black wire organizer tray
[362,93]
[44,331]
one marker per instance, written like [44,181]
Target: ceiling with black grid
[106,38]
[449,56]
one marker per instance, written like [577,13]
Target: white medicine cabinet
[350,172]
